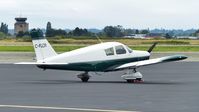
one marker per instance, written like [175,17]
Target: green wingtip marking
[174,58]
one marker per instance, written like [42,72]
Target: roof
[94,47]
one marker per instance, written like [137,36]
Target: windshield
[129,49]
[120,49]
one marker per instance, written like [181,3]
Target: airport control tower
[21,25]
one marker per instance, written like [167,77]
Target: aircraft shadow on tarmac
[100,82]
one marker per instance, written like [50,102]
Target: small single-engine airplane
[103,57]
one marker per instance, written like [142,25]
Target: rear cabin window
[120,49]
[109,51]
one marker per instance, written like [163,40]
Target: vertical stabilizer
[43,49]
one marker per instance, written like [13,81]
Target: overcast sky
[169,14]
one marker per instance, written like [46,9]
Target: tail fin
[43,49]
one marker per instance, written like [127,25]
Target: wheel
[85,79]
[130,80]
[138,80]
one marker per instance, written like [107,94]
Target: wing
[149,62]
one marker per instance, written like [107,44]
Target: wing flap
[151,62]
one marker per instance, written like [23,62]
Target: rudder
[43,49]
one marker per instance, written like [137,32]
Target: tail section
[43,49]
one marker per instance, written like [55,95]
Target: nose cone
[147,54]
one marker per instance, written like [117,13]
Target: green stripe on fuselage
[99,66]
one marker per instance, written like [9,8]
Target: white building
[138,36]
[187,37]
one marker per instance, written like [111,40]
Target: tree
[49,30]
[58,32]
[137,31]
[196,33]
[144,32]
[2,35]
[48,27]
[76,32]
[167,36]
[119,31]
[80,32]
[36,33]
[20,34]
[4,28]
[129,32]
[114,31]
[109,31]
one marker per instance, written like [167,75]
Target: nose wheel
[135,80]
[84,77]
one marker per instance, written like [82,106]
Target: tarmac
[169,87]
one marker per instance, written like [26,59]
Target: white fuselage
[95,53]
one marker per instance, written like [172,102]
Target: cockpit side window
[109,51]
[120,49]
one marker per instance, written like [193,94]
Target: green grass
[30,48]
[169,42]
[69,48]
[91,41]
[16,49]
[169,48]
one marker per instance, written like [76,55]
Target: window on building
[120,49]
[109,51]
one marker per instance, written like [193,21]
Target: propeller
[152,47]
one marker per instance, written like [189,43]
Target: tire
[138,80]
[85,79]
[131,80]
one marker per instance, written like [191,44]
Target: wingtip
[183,57]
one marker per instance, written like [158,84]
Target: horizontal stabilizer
[37,63]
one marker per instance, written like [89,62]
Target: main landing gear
[84,76]
[133,76]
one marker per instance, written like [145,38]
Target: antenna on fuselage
[98,38]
